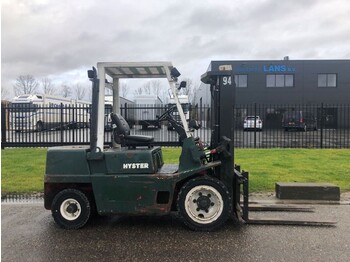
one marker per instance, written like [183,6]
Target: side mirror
[183,84]
[92,74]
[174,73]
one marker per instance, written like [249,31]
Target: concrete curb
[22,198]
[254,198]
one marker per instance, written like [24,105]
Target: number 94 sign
[227,80]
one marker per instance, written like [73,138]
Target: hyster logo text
[135,166]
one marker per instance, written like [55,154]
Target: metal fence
[294,126]
[287,126]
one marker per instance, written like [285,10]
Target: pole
[322,123]
[3,126]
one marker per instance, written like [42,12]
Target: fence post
[254,125]
[126,112]
[3,126]
[322,123]
[61,124]
[75,121]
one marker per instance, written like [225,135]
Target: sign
[277,68]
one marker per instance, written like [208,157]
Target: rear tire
[71,209]
[204,204]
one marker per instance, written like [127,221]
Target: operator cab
[121,130]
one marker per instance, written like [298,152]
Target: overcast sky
[62,39]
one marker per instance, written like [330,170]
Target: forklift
[129,177]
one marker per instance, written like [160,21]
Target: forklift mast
[222,89]
[223,97]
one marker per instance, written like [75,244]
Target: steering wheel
[177,126]
[167,114]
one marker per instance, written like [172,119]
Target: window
[279,80]
[241,81]
[327,80]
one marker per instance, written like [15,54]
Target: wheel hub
[72,208]
[203,202]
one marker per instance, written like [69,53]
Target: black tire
[204,204]
[71,209]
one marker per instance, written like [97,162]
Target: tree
[25,84]
[147,88]
[138,91]
[79,91]
[47,86]
[156,87]
[89,94]
[164,96]
[66,90]
[5,93]
[124,90]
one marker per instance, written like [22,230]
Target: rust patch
[168,176]
[154,209]
[130,155]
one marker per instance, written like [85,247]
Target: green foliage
[23,169]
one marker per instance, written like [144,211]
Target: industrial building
[286,83]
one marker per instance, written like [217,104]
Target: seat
[121,133]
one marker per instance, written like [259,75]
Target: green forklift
[129,177]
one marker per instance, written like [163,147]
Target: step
[309,191]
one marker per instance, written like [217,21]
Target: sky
[62,39]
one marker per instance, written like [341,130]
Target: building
[287,82]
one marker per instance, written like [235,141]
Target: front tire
[71,209]
[204,204]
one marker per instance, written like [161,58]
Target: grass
[23,169]
[267,166]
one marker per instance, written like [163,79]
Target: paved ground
[30,234]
